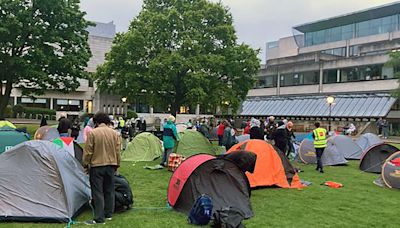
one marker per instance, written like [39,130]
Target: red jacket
[220,131]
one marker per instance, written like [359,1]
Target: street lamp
[125,111]
[330,100]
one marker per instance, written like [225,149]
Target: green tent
[9,137]
[192,142]
[144,147]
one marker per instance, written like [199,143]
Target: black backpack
[123,194]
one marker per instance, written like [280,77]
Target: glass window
[266,82]
[330,76]
[303,78]
[272,44]
[376,26]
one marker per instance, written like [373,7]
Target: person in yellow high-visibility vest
[319,135]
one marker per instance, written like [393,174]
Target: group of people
[383,127]
[280,132]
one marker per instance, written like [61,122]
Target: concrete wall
[286,47]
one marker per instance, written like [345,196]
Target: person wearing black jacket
[280,137]
[291,136]
[64,124]
[255,131]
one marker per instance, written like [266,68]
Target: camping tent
[192,142]
[272,167]
[181,127]
[144,147]
[391,171]
[9,137]
[373,159]
[301,136]
[5,123]
[332,154]
[346,146]
[220,179]
[40,182]
[70,146]
[368,140]
[48,133]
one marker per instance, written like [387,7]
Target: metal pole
[330,114]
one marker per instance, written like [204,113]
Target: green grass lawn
[359,204]
[30,128]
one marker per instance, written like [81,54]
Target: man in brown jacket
[101,157]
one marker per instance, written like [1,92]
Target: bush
[8,112]
[18,109]
[38,111]
[131,114]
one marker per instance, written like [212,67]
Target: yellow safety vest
[320,138]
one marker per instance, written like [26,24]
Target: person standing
[255,130]
[270,127]
[204,130]
[101,158]
[291,136]
[76,127]
[228,138]
[280,137]
[64,124]
[220,132]
[379,126]
[385,128]
[170,135]
[43,121]
[319,135]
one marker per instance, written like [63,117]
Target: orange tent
[272,167]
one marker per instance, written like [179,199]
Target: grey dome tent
[347,147]
[48,133]
[368,140]
[373,159]
[331,155]
[39,181]
[391,171]
[242,138]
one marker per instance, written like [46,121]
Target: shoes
[108,218]
[92,222]
[321,171]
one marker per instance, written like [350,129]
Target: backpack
[228,217]
[123,194]
[201,212]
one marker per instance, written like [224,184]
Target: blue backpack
[201,212]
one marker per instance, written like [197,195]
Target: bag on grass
[123,194]
[228,217]
[201,212]
[332,184]
[174,160]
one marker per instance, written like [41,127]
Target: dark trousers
[167,152]
[103,192]
[319,152]
[220,140]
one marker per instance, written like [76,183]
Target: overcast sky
[256,21]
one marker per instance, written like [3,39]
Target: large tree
[180,52]
[43,45]
[394,62]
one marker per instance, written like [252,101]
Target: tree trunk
[4,98]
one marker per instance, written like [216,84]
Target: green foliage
[394,62]
[131,114]
[43,45]
[180,52]
[18,109]
[8,112]
[39,111]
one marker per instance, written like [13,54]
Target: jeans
[220,140]
[319,152]
[103,192]
[165,157]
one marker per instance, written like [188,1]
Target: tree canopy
[43,45]
[180,52]
[394,62]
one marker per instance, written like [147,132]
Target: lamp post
[330,100]
[125,112]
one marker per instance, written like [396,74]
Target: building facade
[343,57]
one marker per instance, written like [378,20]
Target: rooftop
[106,30]
[354,17]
